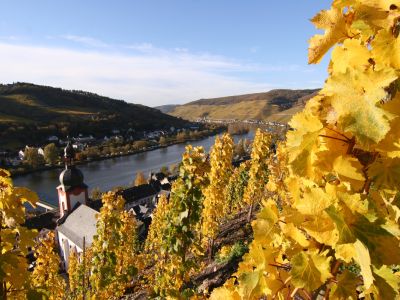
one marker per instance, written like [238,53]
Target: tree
[139,145]
[113,249]
[181,136]
[45,275]
[139,179]
[51,154]
[162,141]
[33,158]
[96,193]
[215,204]
[164,170]
[174,169]
[331,228]
[14,238]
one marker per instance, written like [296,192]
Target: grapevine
[46,276]
[258,173]
[215,205]
[174,267]
[14,239]
[332,229]
[113,249]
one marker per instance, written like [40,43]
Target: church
[77,223]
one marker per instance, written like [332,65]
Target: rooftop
[80,223]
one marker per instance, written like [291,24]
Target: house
[52,138]
[145,195]
[21,154]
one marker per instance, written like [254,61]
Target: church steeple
[69,154]
[72,188]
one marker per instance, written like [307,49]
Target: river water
[109,173]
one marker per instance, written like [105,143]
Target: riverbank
[15,173]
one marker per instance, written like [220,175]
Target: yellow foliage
[215,204]
[46,273]
[14,239]
[334,187]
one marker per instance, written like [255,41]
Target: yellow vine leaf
[384,5]
[364,260]
[317,201]
[310,270]
[336,27]
[385,173]
[387,282]
[301,143]
[386,49]
[345,252]
[322,229]
[346,287]
[351,54]
[354,96]
[345,232]
[225,293]
[293,232]
[349,167]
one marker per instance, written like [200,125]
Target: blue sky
[160,52]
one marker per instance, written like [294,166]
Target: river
[109,173]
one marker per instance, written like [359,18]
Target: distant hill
[275,105]
[30,113]
[166,108]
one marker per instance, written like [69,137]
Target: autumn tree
[139,179]
[14,238]
[215,202]
[181,136]
[162,141]
[51,155]
[331,230]
[45,275]
[33,158]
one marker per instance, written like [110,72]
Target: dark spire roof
[69,153]
[71,177]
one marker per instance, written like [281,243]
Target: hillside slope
[278,104]
[30,113]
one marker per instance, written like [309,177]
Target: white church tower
[72,189]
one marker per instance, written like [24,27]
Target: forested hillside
[30,113]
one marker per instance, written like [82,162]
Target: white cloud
[151,77]
[85,40]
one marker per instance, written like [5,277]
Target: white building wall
[74,199]
[66,246]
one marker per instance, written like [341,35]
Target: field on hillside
[276,105]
